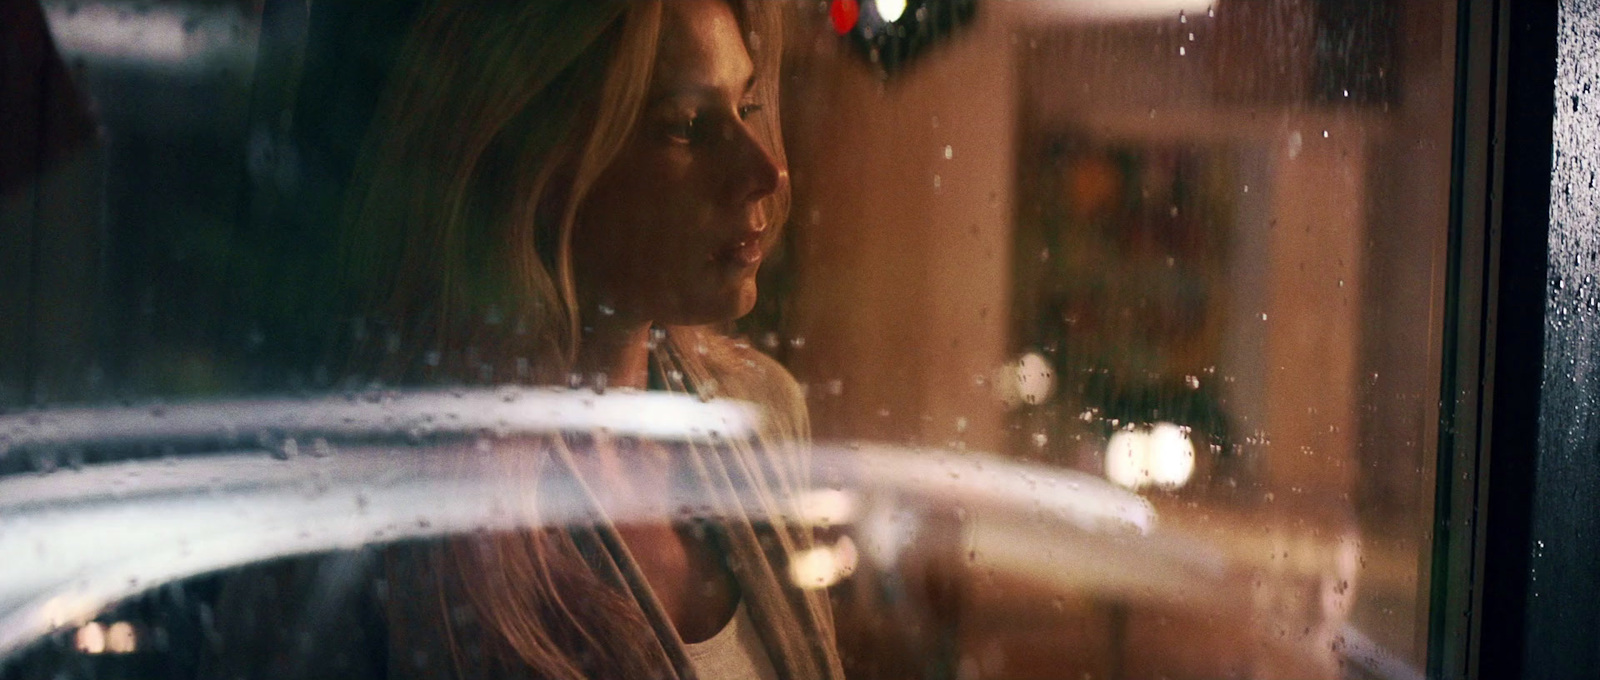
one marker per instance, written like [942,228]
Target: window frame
[1513,588]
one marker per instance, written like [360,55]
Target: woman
[579,193]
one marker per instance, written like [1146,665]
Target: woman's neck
[619,351]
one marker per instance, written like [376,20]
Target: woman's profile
[575,193]
[580,193]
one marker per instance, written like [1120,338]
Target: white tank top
[734,653]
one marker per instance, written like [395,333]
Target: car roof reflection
[104,532]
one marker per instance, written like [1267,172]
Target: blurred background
[1197,249]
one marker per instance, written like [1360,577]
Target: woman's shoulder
[746,372]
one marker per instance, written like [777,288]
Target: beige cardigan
[399,612]
[329,617]
[795,625]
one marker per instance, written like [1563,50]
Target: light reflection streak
[105,532]
[167,35]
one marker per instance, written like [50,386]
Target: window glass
[936,338]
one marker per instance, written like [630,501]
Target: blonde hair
[502,115]
[499,118]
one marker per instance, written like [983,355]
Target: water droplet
[949,152]
[1040,440]
[1192,381]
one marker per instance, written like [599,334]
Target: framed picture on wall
[1122,292]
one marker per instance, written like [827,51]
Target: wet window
[873,339]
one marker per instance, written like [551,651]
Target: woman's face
[670,232]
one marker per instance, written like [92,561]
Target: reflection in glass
[1184,260]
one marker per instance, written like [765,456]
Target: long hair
[500,117]
[497,121]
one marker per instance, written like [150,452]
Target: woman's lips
[746,251]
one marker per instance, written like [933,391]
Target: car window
[976,339]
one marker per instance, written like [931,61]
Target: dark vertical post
[1538,581]
[49,215]
[1562,604]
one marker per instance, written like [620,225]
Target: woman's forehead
[701,47]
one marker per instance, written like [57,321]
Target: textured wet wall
[1564,569]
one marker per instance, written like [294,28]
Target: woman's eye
[694,128]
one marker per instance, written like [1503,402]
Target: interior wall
[903,202]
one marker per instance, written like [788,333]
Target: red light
[844,14]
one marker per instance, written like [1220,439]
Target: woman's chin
[723,306]
[733,309]
[732,305]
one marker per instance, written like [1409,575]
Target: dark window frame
[1514,586]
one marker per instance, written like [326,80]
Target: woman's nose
[759,172]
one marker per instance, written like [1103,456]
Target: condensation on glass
[1197,250]
[1175,267]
